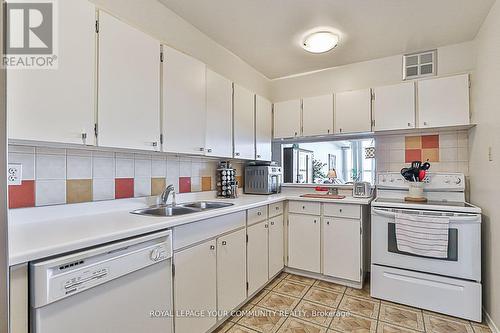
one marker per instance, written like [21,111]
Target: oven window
[452,244]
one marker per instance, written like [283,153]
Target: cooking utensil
[421,174]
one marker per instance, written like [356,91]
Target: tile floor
[322,307]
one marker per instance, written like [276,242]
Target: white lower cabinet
[195,286]
[231,270]
[257,256]
[276,262]
[342,248]
[304,247]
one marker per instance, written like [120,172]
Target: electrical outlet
[14,174]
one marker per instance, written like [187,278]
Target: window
[337,162]
[418,65]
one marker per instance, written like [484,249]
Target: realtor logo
[29,39]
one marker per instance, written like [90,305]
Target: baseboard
[490,322]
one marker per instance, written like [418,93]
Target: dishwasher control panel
[85,280]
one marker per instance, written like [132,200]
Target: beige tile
[291,288]
[443,324]
[351,323]
[360,306]
[276,280]
[240,329]
[329,298]
[440,315]
[388,328]
[300,279]
[256,299]
[295,325]
[315,313]
[330,286]
[364,293]
[278,302]
[262,320]
[157,185]
[413,142]
[480,328]
[78,190]
[241,312]
[402,316]
[224,327]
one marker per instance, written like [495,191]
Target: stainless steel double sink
[181,209]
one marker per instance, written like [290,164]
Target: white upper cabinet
[353,111]
[129,86]
[244,123]
[263,128]
[444,101]
[287,119]
[317,115]
[394,107]
[219,130]
[58,105]
[184,103]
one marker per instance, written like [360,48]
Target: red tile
[430,141]
[184,184]
[124,188]
[413,155]
[22,195]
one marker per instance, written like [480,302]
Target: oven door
[464,245]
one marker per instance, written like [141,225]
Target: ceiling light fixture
[320,42]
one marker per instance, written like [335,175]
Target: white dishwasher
[123,287]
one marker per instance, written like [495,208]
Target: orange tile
[413,142]
[184,184]
[413,155]
[157,185]
[78,190]
[22,195]
[124,188]
[206,183]
[431,155]
[430,141]
[239,179]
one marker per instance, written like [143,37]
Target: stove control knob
[155,254]
[458,181]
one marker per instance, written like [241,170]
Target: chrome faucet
[166,193]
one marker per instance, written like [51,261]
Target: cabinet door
[42,105]
[275,245]
[231,270]
[195,286]
[394,107]
[244,123]
[184,108]
[353,111]
[342,248]
[443,101]
[219,130]
[317,115]
[287,119]
[263,128]
[257,256]
[304,235]
[129,86]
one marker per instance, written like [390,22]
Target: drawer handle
[266,225]
[212,247]
[224,243]
[341,210]
[327,222]
[259,213]
[277,208]
[272,223]
[303,207]
[314,221]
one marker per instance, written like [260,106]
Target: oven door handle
[453,219]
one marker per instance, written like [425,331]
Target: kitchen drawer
[276,209]
[342,210]
[255,215]
[454,297]
[304,207]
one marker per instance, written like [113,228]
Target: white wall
[451,59]
[160,22]
[485,184]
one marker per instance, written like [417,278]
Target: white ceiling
[267,33]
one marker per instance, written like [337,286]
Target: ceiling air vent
[421,64]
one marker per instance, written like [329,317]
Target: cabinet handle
[315,221]
[425,123]
[409,124]
[236,154]
[258,156]
[277,208]
[201,149]
[259,213]
[266,225]
[224,243]
[295,133]
[84,136]
[340,210]
[340,130]
[327,222]
[212,247]
[303,207]
[272,223]
[209,150]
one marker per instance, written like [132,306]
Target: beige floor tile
[444,324]
[300,279]
[365,292]
[240,329]
[440,315]
[291,288]
[273,283]
[224,327]
[329,298]
[330,286]
[256,299]
[315,313]
[241,312]
[278,302]
[353,324]
[262,320]
[388,328]
[480,328]
[295,325]
[402,316]
[360,306]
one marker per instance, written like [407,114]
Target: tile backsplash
[447,151]
[52,176]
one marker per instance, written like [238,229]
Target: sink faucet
[166,193]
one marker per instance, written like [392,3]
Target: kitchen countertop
[41,232]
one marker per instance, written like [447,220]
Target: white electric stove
[450,285]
